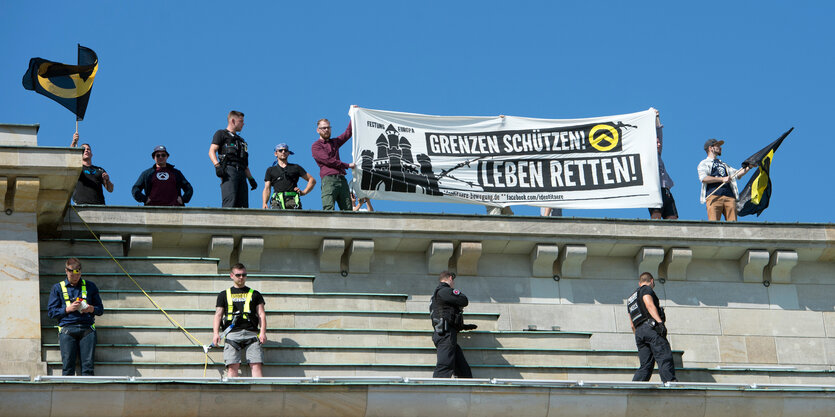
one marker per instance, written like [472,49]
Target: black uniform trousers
[450,357]
[233,187]
[653,347]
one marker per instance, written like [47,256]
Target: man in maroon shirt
[162,183]
[331,169]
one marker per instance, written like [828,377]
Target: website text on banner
[595,163]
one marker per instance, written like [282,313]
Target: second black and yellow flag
[69,85]
[757,193]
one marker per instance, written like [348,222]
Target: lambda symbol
[81,86]
[606,134]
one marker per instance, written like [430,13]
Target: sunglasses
[160,155]
[74,271]
[283,150]
[240,275]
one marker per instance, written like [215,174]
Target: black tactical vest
[448,312]
[637,310]
[234,149]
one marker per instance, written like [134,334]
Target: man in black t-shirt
[230,156]
[284,179]
[248,321]
[647,319]
[89,189]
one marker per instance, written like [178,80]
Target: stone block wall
[761,295]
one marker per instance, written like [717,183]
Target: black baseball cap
[711,142]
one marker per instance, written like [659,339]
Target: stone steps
[135,264]
[196,369]
[286,318]
[187,282]
[276,353]
[157,335]
[274,300]
[310,333]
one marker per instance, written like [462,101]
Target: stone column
[35,187]
[20,334]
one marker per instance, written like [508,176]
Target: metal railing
[385,380]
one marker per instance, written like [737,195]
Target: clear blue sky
[171,70]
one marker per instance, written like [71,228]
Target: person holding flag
[715,175]
[93,179]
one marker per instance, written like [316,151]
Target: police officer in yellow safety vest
[242,309]
[74,302]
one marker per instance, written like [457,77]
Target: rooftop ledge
[385,380]
[416,232]
[34,179]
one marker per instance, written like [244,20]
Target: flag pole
[715,190]
[77,62]
[736,177]
[74,142]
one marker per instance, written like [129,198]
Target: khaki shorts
[246,341]
[717,205]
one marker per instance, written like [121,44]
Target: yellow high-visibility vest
[67,297]
[230,305]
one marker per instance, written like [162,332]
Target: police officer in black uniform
[232,165]
[648,319]
[446,308]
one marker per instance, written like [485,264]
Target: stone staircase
[315,333]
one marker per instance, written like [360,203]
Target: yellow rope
[171,319]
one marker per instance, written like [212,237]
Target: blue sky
[171,70]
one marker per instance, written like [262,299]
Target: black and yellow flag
[69,85]
[754,198]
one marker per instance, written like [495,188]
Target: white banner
[594,163]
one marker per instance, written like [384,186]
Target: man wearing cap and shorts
[719,191]
[284,179]
[229,154]
[162,184]
[242,308]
